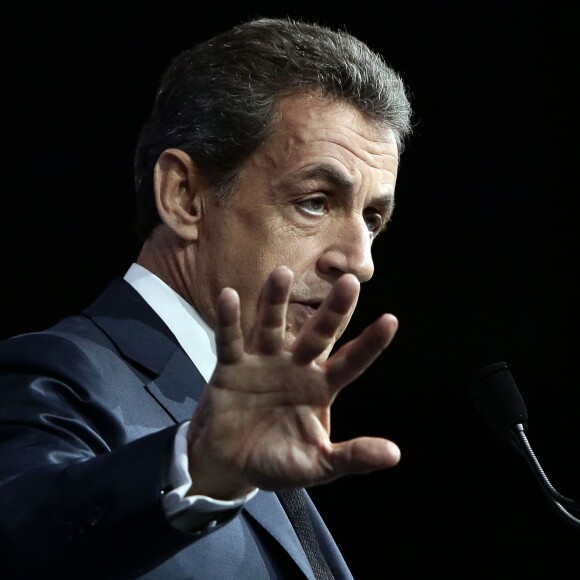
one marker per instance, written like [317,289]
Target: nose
[348,250]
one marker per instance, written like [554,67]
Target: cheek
[297,250]
[281,248]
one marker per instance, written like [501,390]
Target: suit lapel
[134,327]
[266,510]
[174,381]
[179,386]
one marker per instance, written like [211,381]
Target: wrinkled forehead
[315,130]
[318,103]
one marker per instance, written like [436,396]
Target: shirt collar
[192,332]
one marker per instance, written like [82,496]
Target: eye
[313,205]
[374,223]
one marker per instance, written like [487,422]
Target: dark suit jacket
[88,414]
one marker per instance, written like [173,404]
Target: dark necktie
[293,502]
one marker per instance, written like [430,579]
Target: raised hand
[264,418]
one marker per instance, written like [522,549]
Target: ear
[178,193]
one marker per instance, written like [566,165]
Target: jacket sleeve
[80,497]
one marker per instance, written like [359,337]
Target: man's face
[312,198]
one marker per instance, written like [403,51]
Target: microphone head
[496,396]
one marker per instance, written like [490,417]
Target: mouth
[302,306]
[308,308]
[300,311]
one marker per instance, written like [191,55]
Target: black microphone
[497,398]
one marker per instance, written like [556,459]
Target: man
[155,435]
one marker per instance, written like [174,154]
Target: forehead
[311,127]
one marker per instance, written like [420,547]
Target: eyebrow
[329,173]
[383,202]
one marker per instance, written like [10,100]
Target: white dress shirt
[198,341]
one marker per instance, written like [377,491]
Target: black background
[479,263]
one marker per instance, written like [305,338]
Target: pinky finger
[229,338]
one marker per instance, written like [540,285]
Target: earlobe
[178,187]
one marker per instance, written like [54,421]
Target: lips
[308,307]
[299,312]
